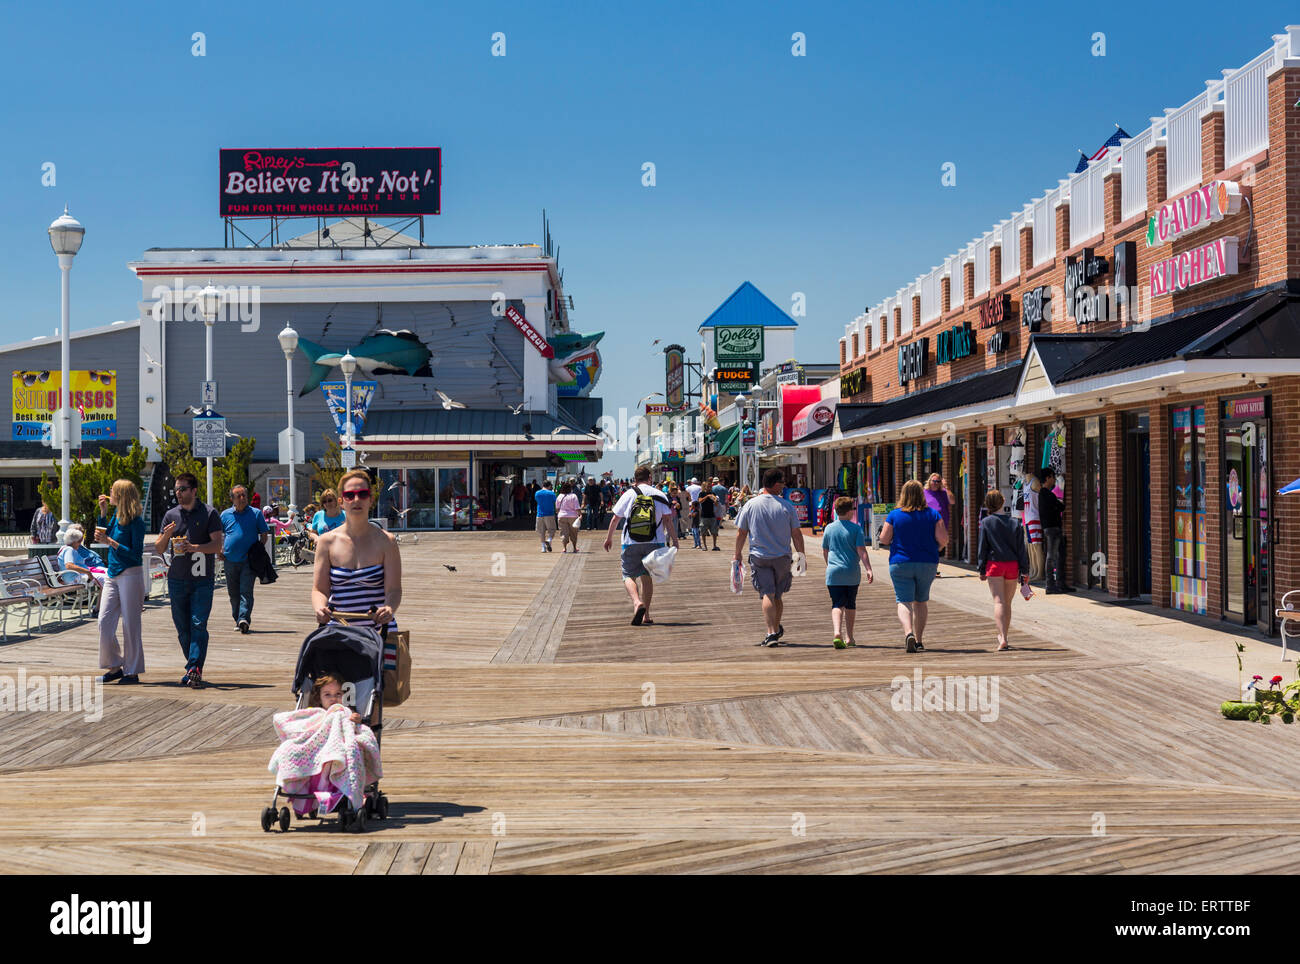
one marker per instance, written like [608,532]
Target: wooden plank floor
[546,735]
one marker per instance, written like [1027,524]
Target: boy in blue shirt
[844,548]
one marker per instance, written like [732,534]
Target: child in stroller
[328,760]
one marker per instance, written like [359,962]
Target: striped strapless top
[358,591]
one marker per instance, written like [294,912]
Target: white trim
[72,335]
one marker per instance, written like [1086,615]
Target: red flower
[1274,681]
[1257,676]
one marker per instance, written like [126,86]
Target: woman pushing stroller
[358,567]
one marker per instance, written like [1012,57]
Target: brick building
[1137,326]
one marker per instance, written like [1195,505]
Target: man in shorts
[547,523]
[636,580]
[770,524]
[710,510]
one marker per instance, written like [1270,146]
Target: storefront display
[1188,579]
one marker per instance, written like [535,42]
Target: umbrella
[1290,487]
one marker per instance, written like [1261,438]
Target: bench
[27,577]
[9,599]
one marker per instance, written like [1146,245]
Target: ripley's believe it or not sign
[329,181]
[36,397]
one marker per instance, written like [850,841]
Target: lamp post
[349,365]
[66,235]
[289,342]
[210,306]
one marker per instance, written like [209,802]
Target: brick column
[950,459]
[945,295]
[1112,203]
[995,266]
[1026,249]
[968,281]
[916,312]
[1212,152]
[1062,230]
[1116,486]
[1284,128]
[1161,536]
[1285,466]
[898,322]
[1214,511]
[1157,182]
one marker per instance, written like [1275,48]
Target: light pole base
[63,531]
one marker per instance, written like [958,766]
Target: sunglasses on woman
[356,494]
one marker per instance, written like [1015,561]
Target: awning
[814,416]
[727,442]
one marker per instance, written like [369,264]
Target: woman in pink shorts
[1003,561]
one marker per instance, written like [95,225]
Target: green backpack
[640,525]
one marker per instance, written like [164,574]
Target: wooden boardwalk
[546,735]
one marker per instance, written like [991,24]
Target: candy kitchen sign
[326,181]
[1197,266]
[737,343]
[1197,209]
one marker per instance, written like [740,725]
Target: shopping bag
[660,563]
[397,668]
[799,565]
[737,577]
[577,523]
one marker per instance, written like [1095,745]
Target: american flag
[1112,141]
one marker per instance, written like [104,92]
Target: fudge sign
[325,181]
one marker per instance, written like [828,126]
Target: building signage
[853,383]
[1126,268]
[529,332]
[208,437]
[999,343]
[911,360]
[748,439]
[1197,209]
[957,342]
[995,311]
[659,409]
[1082,300]
[327,181]
[1244,407]
[1036,307]
[675,375]
[733,343]
[736,378]
[37,397]
[816,416]
[790,373]
[336,402]
[1197,266]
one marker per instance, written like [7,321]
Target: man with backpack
[646,518]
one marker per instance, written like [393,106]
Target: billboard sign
[331,181]
[36,399]
[675,375]
[737,343]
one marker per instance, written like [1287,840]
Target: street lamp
[289,342]
[66,235]
[349,365]
[210,305]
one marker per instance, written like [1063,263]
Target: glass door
[1247,570]
[453,498]
[1137,504]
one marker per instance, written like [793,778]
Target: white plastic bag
[800,564]
[737,577]
[660,563]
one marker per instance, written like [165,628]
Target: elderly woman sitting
[79,563]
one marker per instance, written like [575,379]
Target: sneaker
[133,678]
[910,641]
[919,647]
[243,626]
[112,677]
[839,643]
[196,678]
[780,630]
[772,639]
[716,549]
[185,680]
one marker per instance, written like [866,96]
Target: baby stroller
[354,653]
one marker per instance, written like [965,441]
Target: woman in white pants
[123,598]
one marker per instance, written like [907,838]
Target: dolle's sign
[957,342]
[733,343]
[319,181]
[911,360]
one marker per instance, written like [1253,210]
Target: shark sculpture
[575,369]
[384,352]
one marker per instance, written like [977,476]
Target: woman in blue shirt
[914,532]
[322,522]
[123,599]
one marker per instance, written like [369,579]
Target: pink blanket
[343,757]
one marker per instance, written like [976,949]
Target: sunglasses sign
[37,399]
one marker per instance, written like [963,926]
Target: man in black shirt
[592,499]
[195,535]
[1051,511]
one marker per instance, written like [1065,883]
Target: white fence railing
[1044,228]
[982,265]
[1245,109]
[1183,153]
[930,303]
[1133,175]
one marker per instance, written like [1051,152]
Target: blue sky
[818,174]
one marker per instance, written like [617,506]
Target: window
[1188,576]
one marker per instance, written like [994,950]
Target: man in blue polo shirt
[546,521]
[243,526]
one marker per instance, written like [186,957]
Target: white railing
[1245,109]
[1088,200]
[1133,175]
[905,301]
[982,265]
[1183,153]
[930,296]
[1045,228]
[953,266]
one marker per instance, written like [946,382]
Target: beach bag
[641,523]
[397,668]
[660,563]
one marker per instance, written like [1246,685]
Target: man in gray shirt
[770,524]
